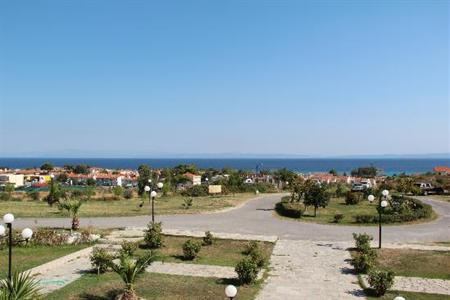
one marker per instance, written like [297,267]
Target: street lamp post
[27,233]
[230,291]
[381,205]
[152,195]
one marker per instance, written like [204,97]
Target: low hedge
[415,210]
[290,209]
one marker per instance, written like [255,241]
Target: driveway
[256,217]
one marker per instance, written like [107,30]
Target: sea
[387,166]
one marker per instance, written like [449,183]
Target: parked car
[427,188]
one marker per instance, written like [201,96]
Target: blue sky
[148,78]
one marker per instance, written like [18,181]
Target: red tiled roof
[441,169]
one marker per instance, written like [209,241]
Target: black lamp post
[382,203]
[150,189]
[27,233]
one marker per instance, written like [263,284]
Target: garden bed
[220,253]
[152,286]
[363,213]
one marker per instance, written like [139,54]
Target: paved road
[256,217]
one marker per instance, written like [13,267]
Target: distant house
[442,170]
[193,178]
[16,179]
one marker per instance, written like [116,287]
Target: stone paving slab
[310,270]
[136,232]
[420,285]
[191,270]
[62,271]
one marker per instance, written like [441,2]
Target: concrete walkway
[192,270]
[137,233]
[256,218]
[310,270]
[62,271]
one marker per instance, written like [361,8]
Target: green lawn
[338,206]
[103,208]
[151,286]
[221,253]
[415,263]
[28,257]
[409,296]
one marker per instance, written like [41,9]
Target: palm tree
[129,268]
[21,286]
[72,207]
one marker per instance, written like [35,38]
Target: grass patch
[151,286]
[415,263]
[220,253]
[338,206]
[27,257]
[443,243]
[409,295]
[106,208]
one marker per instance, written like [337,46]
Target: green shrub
[117,191]
[381,281]
[352,198]
[33,195]
[401,209]
[153,237]
[128,248]
[362,242]
[364,219]
[21,286]
[196,191]
[338,218]
[363,262]
[247,271]
[4,196]
[208,239]
[187,203]
[191,248]
[101,259]
[250,247]
[290,209]
[128,193]
[258,257]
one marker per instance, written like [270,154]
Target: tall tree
[145,174]
[72,207]
[47,166]
[316,195]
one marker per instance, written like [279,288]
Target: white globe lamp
[399,298]
[8,218]
[384,203]
[385,193]
[160,185]
[27,233]
[147,188]
[230,291]
[153,194]
[371,198]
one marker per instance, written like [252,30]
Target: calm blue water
[305,165]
